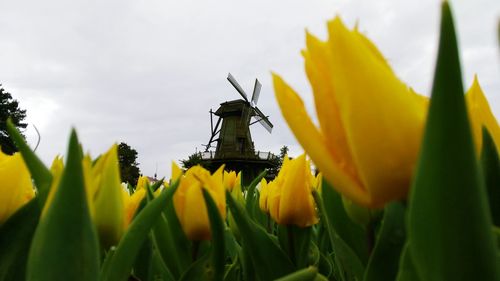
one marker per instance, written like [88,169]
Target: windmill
[231,134]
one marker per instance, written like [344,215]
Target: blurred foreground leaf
[449,223]
[65,244]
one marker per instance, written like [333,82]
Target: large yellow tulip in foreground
[370,123]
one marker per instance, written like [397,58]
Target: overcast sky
[147,72]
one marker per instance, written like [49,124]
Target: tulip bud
[15,185]
[190,205]
[108,205]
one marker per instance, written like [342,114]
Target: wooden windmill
[231,134]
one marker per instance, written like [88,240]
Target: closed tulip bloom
[480,115]
[263,196]
[296,204]
[142,182]
[232,180]
[108,204]
[131,203]
[15,185]
[190,205]
[370,123]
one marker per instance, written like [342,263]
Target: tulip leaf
[122,260]
[407,270]
[41,175]
[306,274]
[169,239]
[201,270]
[490,165]
[65,244]
[268,260]
[353,234]
[251,197]
[296,243]
[218,239]
[14,234]
[384,260]
[346,260]
[449,222]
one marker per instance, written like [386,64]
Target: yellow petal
[296,202]
[15,184]
[195,218]
[317,58]
[314,143]
[264,193]
[108,204]
[480,115]
[176,171]
[382,118]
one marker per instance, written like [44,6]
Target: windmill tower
[232,138]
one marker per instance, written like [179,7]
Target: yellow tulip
[264,194]
[131,203]
[142,182]
[232,180]
[290,199]
[189,203]
[480,115]
[370,123]
[16,188]
[56,169]
[108,204]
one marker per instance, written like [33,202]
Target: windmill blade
[263,120]
[256,92]
[235,84]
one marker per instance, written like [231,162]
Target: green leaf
[15,241]
[449,223]
[346,259]
[170,241]
[490,165]
[384,260]
[218,240]
[41,175]
[269,261]
[353,234]
[251,197]
[121,263]
[296,243]
[201,270]
[65,244]
[407,270]
[306,274]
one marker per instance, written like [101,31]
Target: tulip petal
[318,71]
[292,108]
[383,119]
[480,115]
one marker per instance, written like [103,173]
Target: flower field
[405,187]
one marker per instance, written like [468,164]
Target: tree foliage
[193,160]
[273,172]
[9,107]
[129,170]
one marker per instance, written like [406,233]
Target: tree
[193,160]
[9,108]
[278,161]
[129,170]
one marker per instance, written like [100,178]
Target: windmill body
[232,139]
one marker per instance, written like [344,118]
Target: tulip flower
[131,203]
[108,204]
[370,123]
[142,182]
[480,115]
[15,185]
[190,205]
[290,200]
[264,194]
